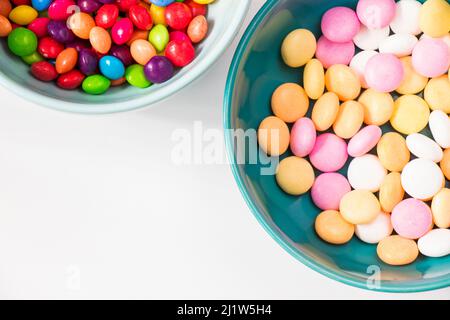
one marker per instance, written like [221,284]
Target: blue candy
[41,5]
[162,3]
[111,67]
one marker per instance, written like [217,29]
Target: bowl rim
[309,262]
[203,65]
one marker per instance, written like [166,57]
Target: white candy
[435,243]
[368,39]
[359,62]
[422,179]
[407,17]
[423,147]
[366,173]
[401,44]
[445,38]
[440,128]
[375,231]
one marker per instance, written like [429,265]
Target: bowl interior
[256,71]
[225,19]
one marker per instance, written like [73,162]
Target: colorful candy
[295,176]
[290,102]
[332,228]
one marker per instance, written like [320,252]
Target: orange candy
[100,40]
[81,24]
[142,51]
[66,60]
[197,29]
[273,136]
[5,26]
[5,7]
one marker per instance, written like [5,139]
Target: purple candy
[106,1]
[58,30]
[78,44]
[158,70]
[88,6]
[123,54]
[87,61]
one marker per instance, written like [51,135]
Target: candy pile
[96,44]
[395,191]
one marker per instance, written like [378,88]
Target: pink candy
[431,57]
[384,72]
[376,14]
[329,153]
[328,190]
[340,24]
[364,141]
[303,137]
[412,218]
[330,53]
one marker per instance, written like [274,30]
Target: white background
[94,207]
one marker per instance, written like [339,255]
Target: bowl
[256,71]
[226,18]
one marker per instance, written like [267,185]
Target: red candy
[178,15]
[107,16]
[122,31]
[197,9]
[140,17]
[39,26]
[179,35]
[60,9]
[21,2]
[49,48]
[180,53]
[125,5]
[70,80]
[44,71]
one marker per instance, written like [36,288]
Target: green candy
[32,58]
[159,37]
[22,42]
[136,77]
[96,84]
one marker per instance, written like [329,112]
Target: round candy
[180,53]
[422,179]
[314,79]
[197,9]
[400,45]
[22,42]
[5,26]
[111,67]
[178,15]
[58,30]
[136,77]
[435,243]
[340,24]
[431,57]
[434,18]
[376,14]
[349,120]
[5,7]
[140,17]
[44,71]
[87,61]
[410,115]
[295,176]
[123,53]
[436,93]
[413,82]
[445,164]
[298,48]
[364,141]
[289,102]
[100,40]
[412,219]
[39,26]
[49,48]
[197,29]
[159,37]
[142,51]
[397,251]
[273,136]
[440,128]
[303,137]
[23,15]
[66,60]
[122,31]
[366,173]
[343,81]
[378,107]
[88,6]
[158,70]
[391,192]
[370,39]
[331,53]
[325,111]
[70,80]
[423,147]
[375,231]
[329,153]
[107,15]
[359,207]
[332,228]
[81,24]
[60,9]
[384,72]
[359,63]
[393,152]
[406,19]
[440,208]
[96,84]
[328,190]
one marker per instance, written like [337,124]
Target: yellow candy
[437,94]
[393,151]
[332,228]
[445,164]
[325,111]
[295,175]
[314,79]
[435,18]
[298,48]
[378,107]
[391,192]
[343,81]
[410,115]
[440,207]
[290,102]
[397,251]
[412,82]
[273,136]
[23,15]
[349,120]
[359,207]
[204,1]
[157,14]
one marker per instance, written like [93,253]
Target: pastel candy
[397,251]
[364,141]
[412,82]
[370,39]
[435,243]
[406,18]
[366,173]
[376,14]
[384,72]
[329,153]
[436,93]
[401,45]
[391,192]
[349,120]
[378,107]
[295,175]
[422,179]
[332,228]
[410,115]
[431,57]
[359,62]
[423,147]
[340,24]
[434,18]
[325,111]
[376,230]
[440,208]
[440,128]
[303,137]
[328,190]
[331,53]
[412,219]
[359,207]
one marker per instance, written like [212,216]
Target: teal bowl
[225,16]
[256,70]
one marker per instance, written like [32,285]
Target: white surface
[93,207]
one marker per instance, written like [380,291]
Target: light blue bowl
[256,70]
[226,18]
